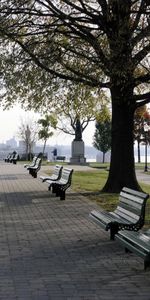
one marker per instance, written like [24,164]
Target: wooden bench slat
[127,198]
[55,175]
[134,208]
[32,163]
[101,217]
[124,213]
[133,192]
[137,242]
[121,218]
[139,238]
[131,211]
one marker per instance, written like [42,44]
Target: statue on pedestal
[78,131]
[77,146]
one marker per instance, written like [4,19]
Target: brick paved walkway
[50,249]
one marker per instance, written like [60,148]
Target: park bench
[7,158]
[33,170]
[60,186]
[32,163]
[14,159]
[136,242]
[55,175]
[61,158]
[129,213]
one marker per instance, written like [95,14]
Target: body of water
[136,159]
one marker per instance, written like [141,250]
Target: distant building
[12,143]
[22,147]
[4,146]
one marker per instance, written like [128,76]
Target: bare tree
[28,132]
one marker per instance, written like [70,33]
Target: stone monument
[77,146]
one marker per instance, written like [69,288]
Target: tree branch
[142,79]
[141,55]
[137,19]
[144,97]
[87,80]
[141,103]
[143,33]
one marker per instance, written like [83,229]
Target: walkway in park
[51,250]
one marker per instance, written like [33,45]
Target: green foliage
[78,101]
[45,132]
[141,118]
[102,136]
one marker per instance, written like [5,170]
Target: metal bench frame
[129,214]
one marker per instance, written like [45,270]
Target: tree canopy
[78,102]
[103,44]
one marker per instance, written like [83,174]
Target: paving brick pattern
[51,250]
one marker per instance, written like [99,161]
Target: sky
[10,121]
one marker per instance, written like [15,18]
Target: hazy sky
[10,120]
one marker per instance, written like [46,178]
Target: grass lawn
[90,183]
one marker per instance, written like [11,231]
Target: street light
[146,129]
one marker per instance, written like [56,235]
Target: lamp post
[146,129]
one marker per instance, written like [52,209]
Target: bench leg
[53,185]
[49,188]
[62,195]
[57,191]
[113,230]
[147,262]
[30,171]
[127,250]
[34,175]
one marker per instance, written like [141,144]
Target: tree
[45,132]
[100,43]
[102,136]
[138,127]
[146,123]
[28,131]
[141,117]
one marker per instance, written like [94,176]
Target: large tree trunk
[122,170]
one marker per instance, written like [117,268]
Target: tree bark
[122,169]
